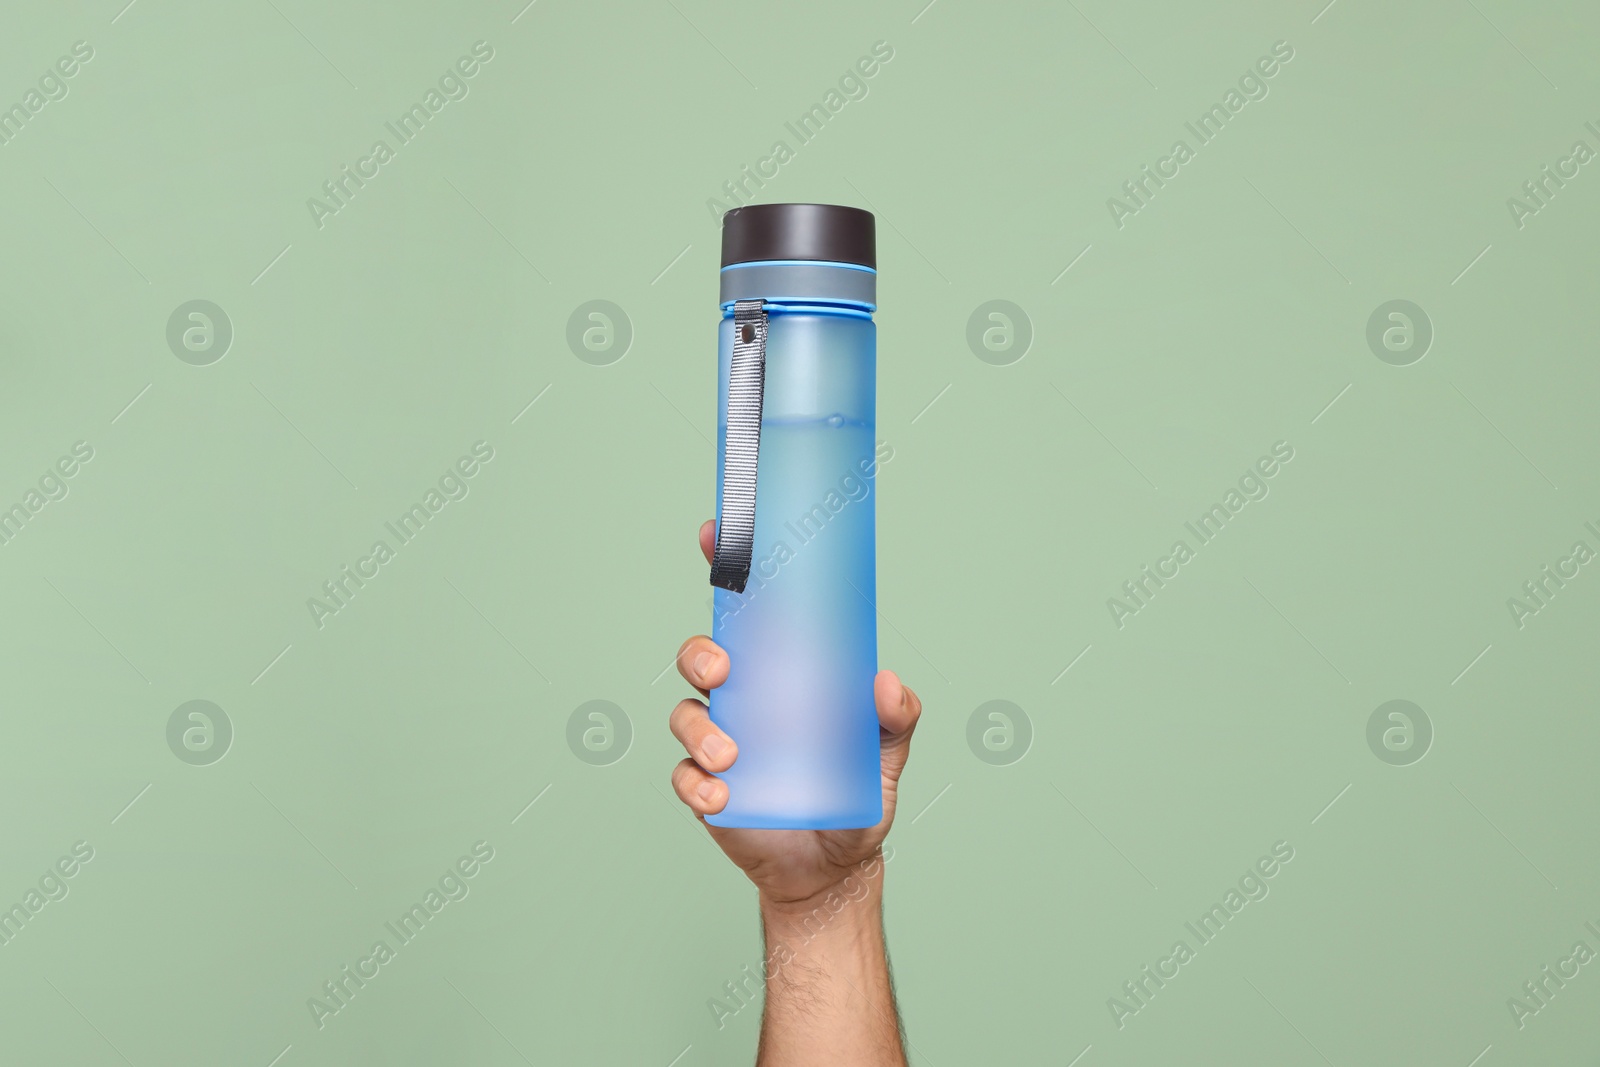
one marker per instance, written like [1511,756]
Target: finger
[711,748]
[702,663]
[704,794]
[708,538]
[898,707]
[898,711]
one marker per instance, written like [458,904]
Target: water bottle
[794,565]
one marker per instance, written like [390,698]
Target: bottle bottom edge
[860,821]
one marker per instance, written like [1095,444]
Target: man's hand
[788,866]
[828,995]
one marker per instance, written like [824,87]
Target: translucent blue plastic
[802,639]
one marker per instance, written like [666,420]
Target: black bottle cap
[799,231]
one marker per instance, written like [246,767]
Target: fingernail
[702,664]
[707,790]
[713,746]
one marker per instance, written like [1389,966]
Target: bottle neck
[802,285]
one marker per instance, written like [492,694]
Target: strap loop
[736,528]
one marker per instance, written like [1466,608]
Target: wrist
[853,900]
[844,902]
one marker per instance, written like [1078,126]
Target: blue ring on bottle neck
[782,307]
[800,263]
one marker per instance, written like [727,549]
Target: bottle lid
[827,232]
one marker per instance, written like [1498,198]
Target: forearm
[829,998]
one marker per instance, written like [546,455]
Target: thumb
[899,708]
[708,538]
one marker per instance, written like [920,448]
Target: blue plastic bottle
[795,603]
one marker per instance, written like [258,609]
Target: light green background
[370,353]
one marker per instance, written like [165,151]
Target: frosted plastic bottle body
[802,638]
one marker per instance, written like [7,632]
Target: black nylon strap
[736,531]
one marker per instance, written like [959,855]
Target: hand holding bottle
[787,866]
